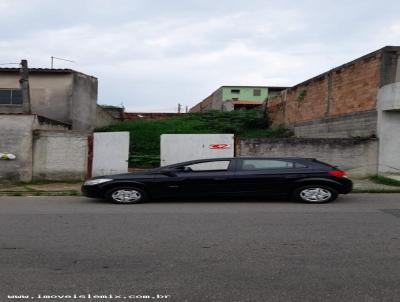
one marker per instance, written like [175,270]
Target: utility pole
[179,107]
[24,84]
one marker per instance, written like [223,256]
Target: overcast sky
[152,54]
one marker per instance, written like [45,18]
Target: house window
[256,92]
[10,97]
[235,91]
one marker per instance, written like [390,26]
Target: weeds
[385,180]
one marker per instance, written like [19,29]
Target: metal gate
[110,153]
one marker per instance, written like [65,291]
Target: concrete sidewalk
[46,189]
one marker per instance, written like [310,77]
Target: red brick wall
[355,88]
[148,115]
[350,88]
[203,104]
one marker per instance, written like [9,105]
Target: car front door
[200,178]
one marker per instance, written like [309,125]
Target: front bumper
[92,191]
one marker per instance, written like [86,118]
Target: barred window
[10,96]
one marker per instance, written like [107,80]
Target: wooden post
[90,157]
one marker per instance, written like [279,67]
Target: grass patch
[379,179]
[145,134]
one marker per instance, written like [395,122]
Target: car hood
[132,175]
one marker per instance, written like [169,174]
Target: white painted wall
[177,148]
[388,128]
[110,153]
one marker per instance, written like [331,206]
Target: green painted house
[229,98]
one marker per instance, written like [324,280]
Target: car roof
[233,158]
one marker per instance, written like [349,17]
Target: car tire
[315,194]
[126,195]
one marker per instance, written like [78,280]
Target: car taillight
[337,173]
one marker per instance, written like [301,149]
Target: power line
[62,59]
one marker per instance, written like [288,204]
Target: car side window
[299,165]
[264,164]
[209,166]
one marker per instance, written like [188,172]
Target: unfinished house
[46,116]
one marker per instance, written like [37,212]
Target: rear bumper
[347,186]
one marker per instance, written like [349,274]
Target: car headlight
[97,181]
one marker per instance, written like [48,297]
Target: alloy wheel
[126,195]
[315,194]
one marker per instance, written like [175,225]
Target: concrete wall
[103,118]
[115,112]
[84,102]
[357,156]
[388,128]
[16,138]
[59,155]
[358,124]
[51,95]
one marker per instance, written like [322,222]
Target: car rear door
[268,176]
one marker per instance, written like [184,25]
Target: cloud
[154,54]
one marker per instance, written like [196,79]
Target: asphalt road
[348,250]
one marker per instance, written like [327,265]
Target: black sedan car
[304,179]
